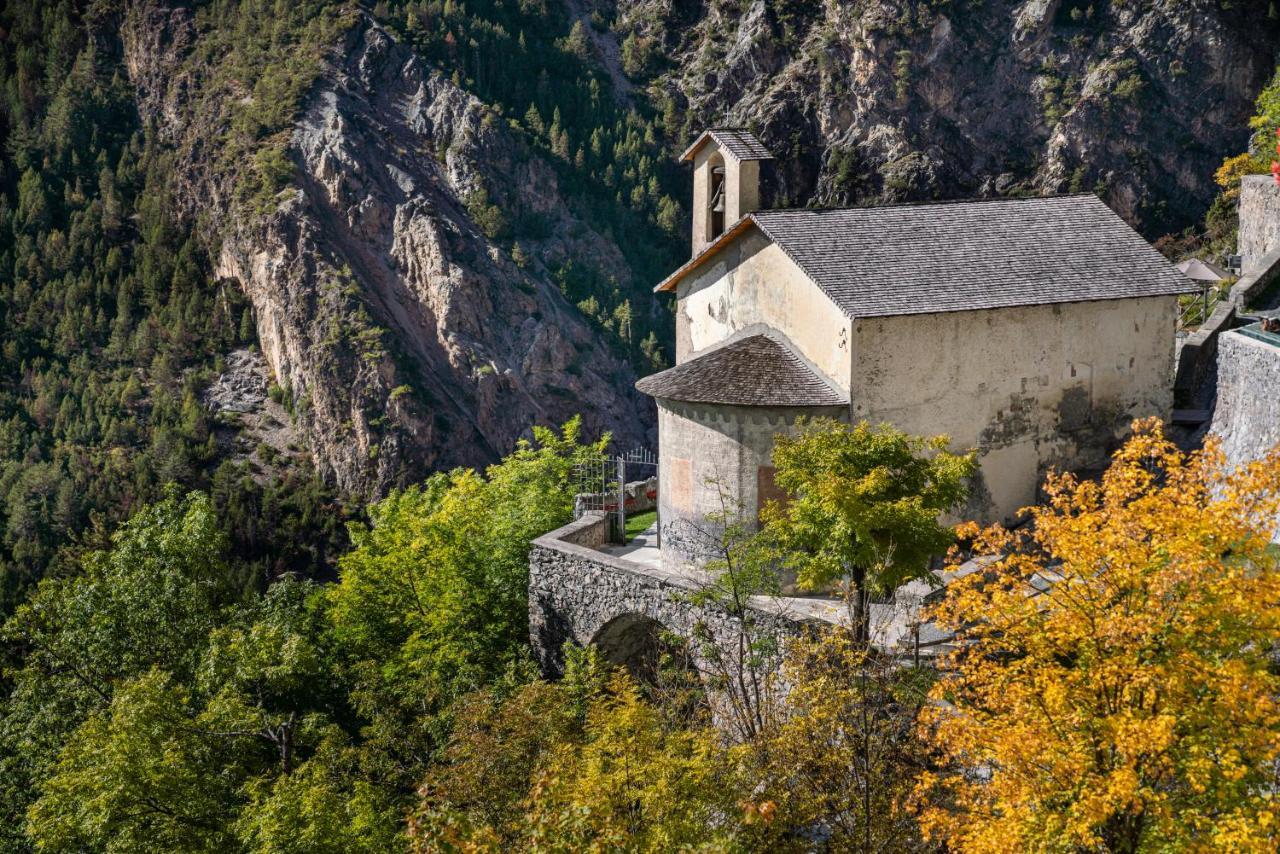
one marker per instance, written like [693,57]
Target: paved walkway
[642,550]
[892,623]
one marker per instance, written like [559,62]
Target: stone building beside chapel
[1033,330]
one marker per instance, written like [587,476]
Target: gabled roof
[756,370]
[739,143]
[963,256]
[1200,270]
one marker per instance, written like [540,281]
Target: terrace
[1260,332]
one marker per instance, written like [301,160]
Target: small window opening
[716,202]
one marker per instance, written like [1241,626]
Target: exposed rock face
[248,423]
[913,100]
[407,340]
[242,387]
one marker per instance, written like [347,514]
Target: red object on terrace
[1275,167]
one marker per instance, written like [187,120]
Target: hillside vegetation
[111,324]
[297,622]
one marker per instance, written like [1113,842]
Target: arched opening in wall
[659,660]
[715,198]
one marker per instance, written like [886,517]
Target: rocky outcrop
[250,421]
[894,100]
[405,339]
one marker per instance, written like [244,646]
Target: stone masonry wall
[1247,415]
[1259,221]
[575,592]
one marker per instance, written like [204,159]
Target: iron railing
[601,483]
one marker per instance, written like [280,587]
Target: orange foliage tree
[1114,685]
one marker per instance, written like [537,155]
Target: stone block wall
[579,594]
[1198,356]
[1259,222]
[1247,415]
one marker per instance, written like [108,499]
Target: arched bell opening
[716,197]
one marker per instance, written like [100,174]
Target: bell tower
[727,167]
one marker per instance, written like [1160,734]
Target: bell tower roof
[739,143]
[727,167]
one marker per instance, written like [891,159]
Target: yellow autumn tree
[552,769]
[1115,684]
[842,757]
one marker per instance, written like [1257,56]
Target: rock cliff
[403,339]
[408,335]
[901,100]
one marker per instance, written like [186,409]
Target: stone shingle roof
[739,143]
[757,370]
[963,256]
[1200,270]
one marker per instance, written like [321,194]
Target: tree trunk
[860,604]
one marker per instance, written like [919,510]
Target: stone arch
[634,641]
[662,661]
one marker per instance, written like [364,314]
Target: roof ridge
[928,203]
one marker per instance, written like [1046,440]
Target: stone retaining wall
[1259,234]
[577,592]
[1247,416]
[582,595]
[1198,356]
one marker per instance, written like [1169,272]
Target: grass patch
[640,522]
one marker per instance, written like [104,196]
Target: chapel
[1033,330]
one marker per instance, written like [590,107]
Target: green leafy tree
[137,775]
[432,602]
[247,754]
[466,789]
[159,705]
[149,601]
[321,808]
[864,507]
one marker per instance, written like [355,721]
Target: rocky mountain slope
[407,334]
[404,339]
[897,100]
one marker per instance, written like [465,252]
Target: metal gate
[601,484]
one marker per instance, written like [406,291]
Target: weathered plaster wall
[752,281]
[1259,222]
[707,451]
[1247,415]
[1029,387]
